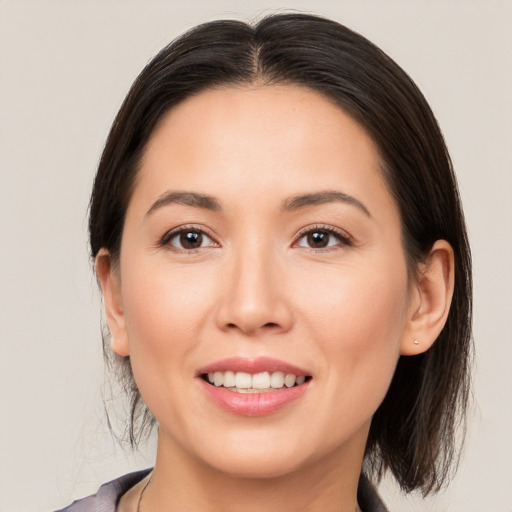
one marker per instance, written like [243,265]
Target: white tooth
[243,380]
[261,380]
[229,380]
[289,380]
[277,380]
[218,378]
[300,380]
[210,378]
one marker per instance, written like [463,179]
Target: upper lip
[250,365]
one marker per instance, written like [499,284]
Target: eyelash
[166,239]
[343,238]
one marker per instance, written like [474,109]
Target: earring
[416,342]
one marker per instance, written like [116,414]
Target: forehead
[259,141]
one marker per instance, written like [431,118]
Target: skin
[256,287]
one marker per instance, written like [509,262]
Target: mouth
[254,387]
[262,382]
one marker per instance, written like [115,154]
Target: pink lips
[253,404]
[261,364]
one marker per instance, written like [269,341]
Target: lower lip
[254,404]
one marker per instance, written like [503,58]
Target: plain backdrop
[65,67]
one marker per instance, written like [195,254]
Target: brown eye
[191,239]
[187,239]
[322,238]
[318,239]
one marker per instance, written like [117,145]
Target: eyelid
[169,235]
[345,238]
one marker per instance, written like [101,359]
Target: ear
[110,282]
[431,297]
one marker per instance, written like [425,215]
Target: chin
[263,456]
[258,467]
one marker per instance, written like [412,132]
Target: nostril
[268,325]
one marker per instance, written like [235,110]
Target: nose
[254,299]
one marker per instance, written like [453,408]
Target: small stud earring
[416,342]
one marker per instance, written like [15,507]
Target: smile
[242,382]
[253,387]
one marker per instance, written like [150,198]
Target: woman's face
[261,239]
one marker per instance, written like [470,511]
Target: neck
[327,484]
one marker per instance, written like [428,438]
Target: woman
[284,263]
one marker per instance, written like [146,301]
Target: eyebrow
[326,196]
[186,198]
[291,204]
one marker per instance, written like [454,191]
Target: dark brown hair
[413,431]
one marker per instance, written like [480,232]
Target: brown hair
[413,431]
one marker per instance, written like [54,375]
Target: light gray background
[65,67]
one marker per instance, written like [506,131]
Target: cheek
[359,304]
[165,311]
[358,317]
[163,306]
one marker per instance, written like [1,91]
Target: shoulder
[108,495]
[367,497]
